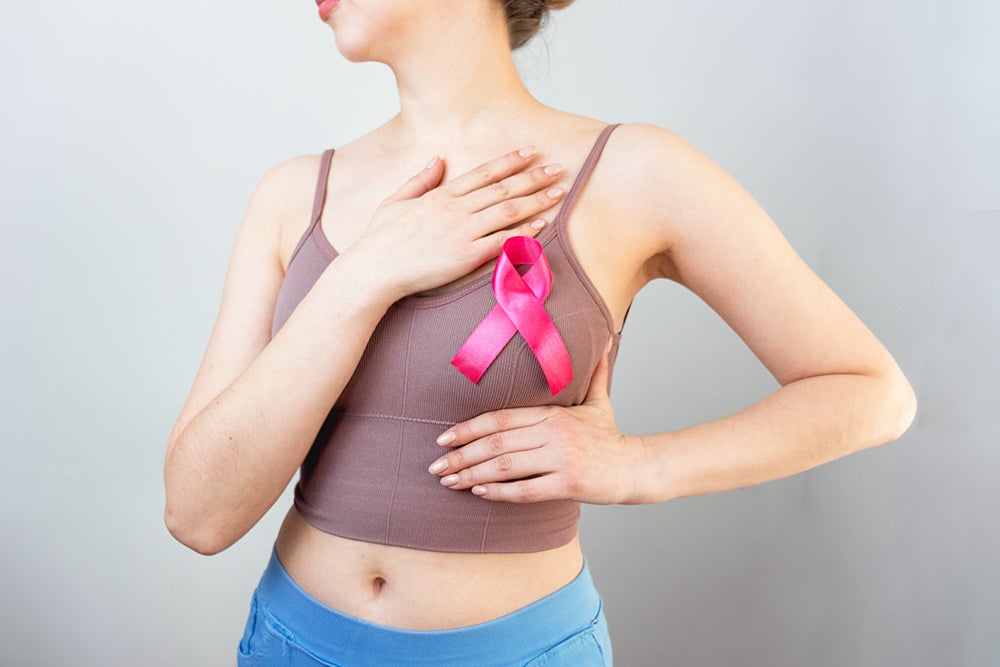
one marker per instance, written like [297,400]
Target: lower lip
[326,7]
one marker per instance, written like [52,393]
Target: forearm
[802,425]
[236,456]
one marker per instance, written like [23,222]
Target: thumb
[598,389]
[427,179]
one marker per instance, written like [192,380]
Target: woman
[435,517]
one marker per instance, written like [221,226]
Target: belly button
[378,583]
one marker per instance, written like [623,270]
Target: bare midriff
[414,589]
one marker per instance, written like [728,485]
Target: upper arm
[707,233]
[281,200]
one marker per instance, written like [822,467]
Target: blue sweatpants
[287,626]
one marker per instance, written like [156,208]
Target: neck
[458,91]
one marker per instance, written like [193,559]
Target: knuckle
[500,189]
[509,210]
[525,493]
[501,418]
[556,413]
[574,485]
[495,442]
[499,240]
[456,460]
[504,463]
[467,477]
[483,172]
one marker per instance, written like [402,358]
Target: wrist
[366,275]
[646,484]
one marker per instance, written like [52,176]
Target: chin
[353,53]
[356,46]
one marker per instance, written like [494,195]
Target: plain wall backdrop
[134,133]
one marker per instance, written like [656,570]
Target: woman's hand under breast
[545,453]
[428,234]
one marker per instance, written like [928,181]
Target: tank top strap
[585,171]
[318,199]
[324,172]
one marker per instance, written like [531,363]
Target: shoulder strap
[324,172]
[585,170]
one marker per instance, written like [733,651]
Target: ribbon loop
[519,309]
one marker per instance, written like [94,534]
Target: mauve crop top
[365,477]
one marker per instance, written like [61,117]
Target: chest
[406,370]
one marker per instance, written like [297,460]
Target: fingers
[523,183]
[534,490]
[489,423]
[498,203]
[491,172]
[505,467]
[488,247]
[498,194]
[499,445]
[511,211]
[426,180]
[494,441]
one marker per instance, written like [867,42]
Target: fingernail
[538,224]
[479,490]
[527,151]
[445,439]
[553,169]
[432,162]
[448,480]
[438,467]
[554,193]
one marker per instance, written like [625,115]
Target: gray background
[133,135]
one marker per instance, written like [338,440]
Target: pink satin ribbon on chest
[519,308]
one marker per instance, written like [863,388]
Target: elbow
[194,534]
[900,406]
[185,520]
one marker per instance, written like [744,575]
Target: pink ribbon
[519,309]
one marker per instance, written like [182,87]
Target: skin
[654,203]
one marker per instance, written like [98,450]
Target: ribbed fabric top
[365,476]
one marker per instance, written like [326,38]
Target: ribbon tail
[484,344]
[539,331]
[554,359]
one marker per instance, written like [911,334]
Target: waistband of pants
[525,633]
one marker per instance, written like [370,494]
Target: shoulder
[647,158]
[289,185]
[663,184]
[281,205]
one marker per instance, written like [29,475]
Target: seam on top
[419,420]
[399,445]
[486,525]
[395,484]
